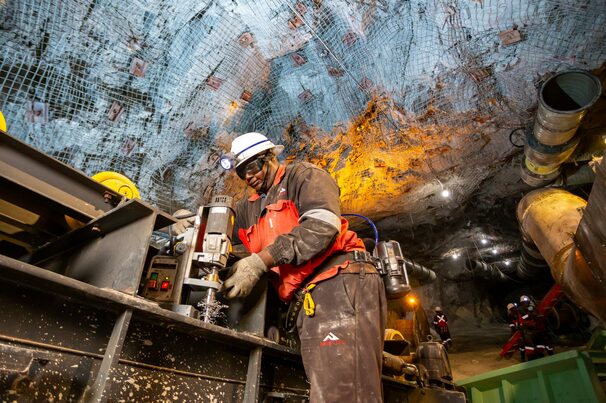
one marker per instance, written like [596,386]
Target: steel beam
[190,359]
[100,391]
[16,272]
[41,173]
[253,376]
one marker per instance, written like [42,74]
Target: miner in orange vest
[292,227]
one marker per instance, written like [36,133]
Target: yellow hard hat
[2,122]
[118,182]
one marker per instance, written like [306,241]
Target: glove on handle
[243,276]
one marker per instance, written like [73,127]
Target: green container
[567,377]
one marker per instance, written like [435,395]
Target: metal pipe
[592,146]
[531,264]
[563,102]
[396,365]
[542,162]
[586,267]
[485,271]
[575,175]
[420,273]
[550,218]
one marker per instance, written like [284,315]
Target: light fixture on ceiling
[507,262]
[445,193]
[455,255]
[494,251]
[483,241]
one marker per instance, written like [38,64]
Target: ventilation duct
[563,102]
[418,272]
[550,217]
[574,175]
[585,271]
[531,262]
[485,271]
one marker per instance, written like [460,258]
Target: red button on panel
[165,285]
[152,284]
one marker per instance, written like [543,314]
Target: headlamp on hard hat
[245,150]
[228,161]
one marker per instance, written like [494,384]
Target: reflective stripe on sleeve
[324,215]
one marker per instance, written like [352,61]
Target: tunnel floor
[476,349]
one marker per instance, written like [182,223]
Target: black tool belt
[355,256]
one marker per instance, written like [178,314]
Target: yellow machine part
[114,181]
[541,169]
[393,334]
[2,122]
[118,182]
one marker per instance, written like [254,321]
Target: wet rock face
[397,100]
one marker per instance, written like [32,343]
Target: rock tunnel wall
[392,97]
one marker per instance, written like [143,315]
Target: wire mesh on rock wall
[156,89]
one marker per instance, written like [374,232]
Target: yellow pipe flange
[541,169]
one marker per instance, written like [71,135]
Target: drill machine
[186,278]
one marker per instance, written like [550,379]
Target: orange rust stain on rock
[379,156]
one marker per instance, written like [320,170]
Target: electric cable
[372,224]
[511,137]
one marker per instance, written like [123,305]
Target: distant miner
[440,324]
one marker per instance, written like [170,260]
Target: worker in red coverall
[440,324]
[512,317]
[292,226]
[515,325]
[526,326]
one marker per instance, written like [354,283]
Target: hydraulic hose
[372,224]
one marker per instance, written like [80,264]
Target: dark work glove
[243,276]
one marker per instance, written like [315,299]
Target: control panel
[160,281]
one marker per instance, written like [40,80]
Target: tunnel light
[483,241]
[455,256]
[412,300]
[494,251]
[507,262]
[445,193]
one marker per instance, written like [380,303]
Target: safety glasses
[251,168]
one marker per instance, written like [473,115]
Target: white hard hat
[438,309]
[510,306]
[524,298]
[250,144]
